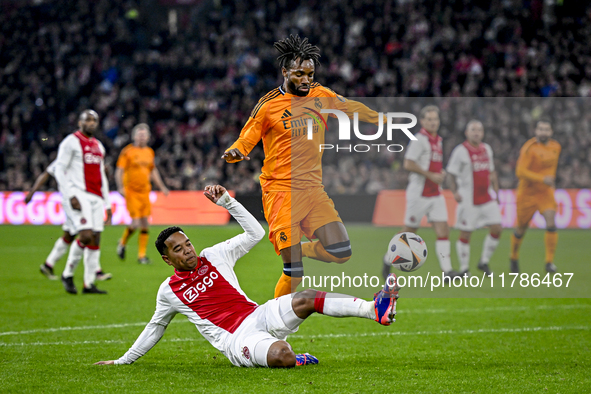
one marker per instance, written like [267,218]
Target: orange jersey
[292,161]
[536,161]
[137,164]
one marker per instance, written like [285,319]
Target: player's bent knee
[303,303]
[280,355]
[340,251]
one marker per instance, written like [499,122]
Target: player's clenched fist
[213,193]
[233,155]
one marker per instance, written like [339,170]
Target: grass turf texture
[49,339]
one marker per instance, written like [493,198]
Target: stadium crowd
[196,82]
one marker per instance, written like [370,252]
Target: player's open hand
[28,198]
[75,204]
[109,217]
[437,177]
[233,155]
[110,362]
[213,193]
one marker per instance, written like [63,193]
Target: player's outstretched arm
[40,181]
[152,333]
[253,231]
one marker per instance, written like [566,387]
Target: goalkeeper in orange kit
[536,170]
[294,200]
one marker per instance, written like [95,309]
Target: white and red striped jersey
[209,295]
[80,167]
[427,152]
[472,167]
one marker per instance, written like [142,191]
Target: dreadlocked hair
[293,47]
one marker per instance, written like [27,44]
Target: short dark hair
[543,119]
[426,109]
[163,236]
[293,47]
[84,114]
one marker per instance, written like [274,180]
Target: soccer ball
[407,252]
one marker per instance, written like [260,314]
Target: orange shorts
[528,204]
[138,204]
[291,214]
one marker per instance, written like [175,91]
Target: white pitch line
[426,311]
[331,336]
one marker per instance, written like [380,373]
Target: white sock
[76,251]
[59,249]
[488,248]
[91,261]
[341,305]
[443,250]
[463,251]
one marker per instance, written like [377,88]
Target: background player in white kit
[205,289]
[424,160]
[80,174]
[60,247]
[471,172]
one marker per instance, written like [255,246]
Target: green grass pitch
[452,341]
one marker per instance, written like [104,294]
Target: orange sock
[515,245]
[142,244]
[286,285]
[316,251]
[126,234]
[550,240]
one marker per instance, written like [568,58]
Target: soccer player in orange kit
[294,200]
[536,170]
[135,169]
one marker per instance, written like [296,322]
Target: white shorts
[91,215]
[271,322]
[471,217]
[417,207]
[68,225]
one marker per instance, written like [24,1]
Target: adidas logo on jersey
[286,114]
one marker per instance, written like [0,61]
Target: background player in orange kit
[536,170]
[135,169]
[294,200]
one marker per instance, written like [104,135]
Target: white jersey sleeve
[153,331]
[458,161]
[414,150]
[63,161]
[234,248]
[105,181]
[490,156]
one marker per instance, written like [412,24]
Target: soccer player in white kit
[424,160]
[60,247]
[80,174]
[471,173]
[205,289]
